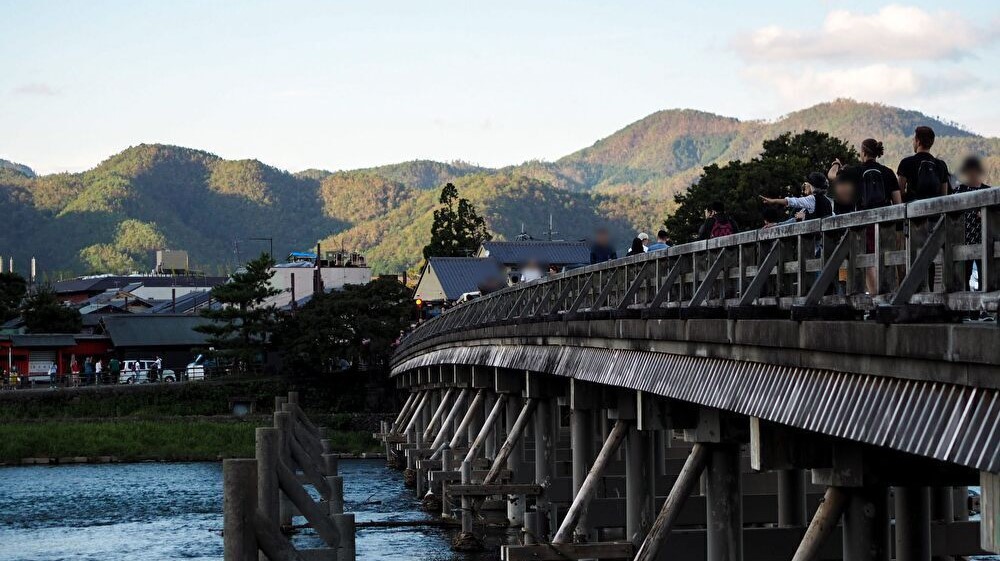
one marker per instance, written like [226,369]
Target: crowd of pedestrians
[840,190]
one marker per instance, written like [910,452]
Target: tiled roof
[155,330]
[459,275]
[102,283]
[546,253]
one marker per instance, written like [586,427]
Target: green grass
[129,440]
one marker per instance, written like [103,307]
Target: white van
[137,372]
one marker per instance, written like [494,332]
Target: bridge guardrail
[792,269]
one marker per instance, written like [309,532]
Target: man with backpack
[875,187]
[716,224]
[922,176]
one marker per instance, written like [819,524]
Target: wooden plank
[562,552]
[476,490]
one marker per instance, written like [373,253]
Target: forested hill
[112,217]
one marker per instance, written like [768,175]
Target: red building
[32,355]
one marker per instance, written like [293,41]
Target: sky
[343,85]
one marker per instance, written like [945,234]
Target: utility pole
[270,241]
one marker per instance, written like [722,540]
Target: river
[159,511]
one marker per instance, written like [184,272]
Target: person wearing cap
[812,204]
[972,173]
[644,238]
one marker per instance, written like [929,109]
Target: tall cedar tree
[241,325]
[778,172]
[457,230]
[44,313]
[13,288]
[357,325]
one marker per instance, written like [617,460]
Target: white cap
[643,236]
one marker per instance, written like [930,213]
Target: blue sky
[339,85]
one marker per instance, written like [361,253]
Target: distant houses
[302,275]
[444,280]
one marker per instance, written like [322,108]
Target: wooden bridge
[725,399]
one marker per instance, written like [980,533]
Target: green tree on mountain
[44,313]
[458,229]
[778,172]
[242,323]
[13,287]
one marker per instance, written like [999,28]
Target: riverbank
[132,440]
[192,421]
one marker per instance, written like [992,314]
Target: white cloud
[876,82]
[895,32]
[35,89]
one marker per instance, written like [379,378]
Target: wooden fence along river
[262,494]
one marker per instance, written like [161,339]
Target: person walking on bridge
[812,204]
[601,250]
[874,187]
[717,223]
[972,174]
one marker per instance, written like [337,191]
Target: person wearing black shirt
[601,250]
[919,174]
[972,173]
[874,186]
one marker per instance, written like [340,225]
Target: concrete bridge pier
[866,524]
[582,423]
[792,498]
[545,434]
[515,461]
[640,483]
[724,498]
[913,523]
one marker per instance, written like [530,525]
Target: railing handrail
[920,212]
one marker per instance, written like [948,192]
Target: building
[147,287]
[296,278]
[33,354]
[446,279]
[513,255]
[170,336]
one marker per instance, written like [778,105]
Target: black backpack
[928,179]
[871,189]
[824,207]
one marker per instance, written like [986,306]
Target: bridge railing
[816,268]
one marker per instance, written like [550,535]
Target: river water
[156,511]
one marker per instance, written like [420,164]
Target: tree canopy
[778,172]
[241,324]
[458,229]
[44,313]
[13,287]
[347,328]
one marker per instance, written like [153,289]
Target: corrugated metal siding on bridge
[948,422]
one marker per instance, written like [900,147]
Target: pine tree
[241,325]
[458,230]
[13,287]
[44,313]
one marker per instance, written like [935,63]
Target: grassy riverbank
[133,440]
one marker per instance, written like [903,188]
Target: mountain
[16,167]
[112,217]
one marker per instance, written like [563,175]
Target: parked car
[204,367]
[137,372]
